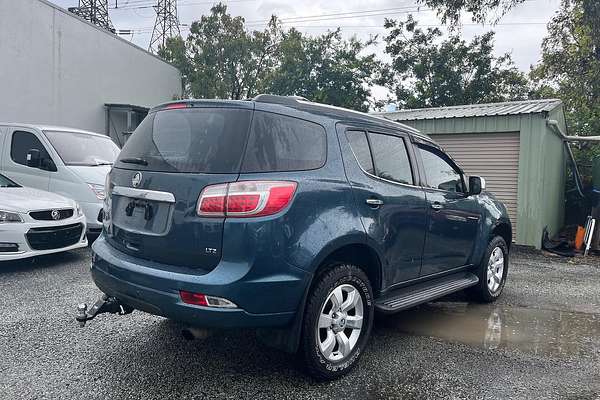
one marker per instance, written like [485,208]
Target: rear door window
[391,158]
[360,147]
[200,140]
[281,143]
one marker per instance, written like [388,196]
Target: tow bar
[104,304]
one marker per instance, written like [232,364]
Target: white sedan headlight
[8,217]
[78,210]
[98,190]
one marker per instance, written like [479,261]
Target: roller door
[495,157]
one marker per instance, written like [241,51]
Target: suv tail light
[245,199]
[205,300]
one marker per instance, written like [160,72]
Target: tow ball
[104,304]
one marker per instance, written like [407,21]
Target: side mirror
[476,185]
[33,158]
[48,165]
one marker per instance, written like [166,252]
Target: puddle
[503,327]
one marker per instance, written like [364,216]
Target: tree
[570,70]
[325,69]
[450,10]
[570,66]
[175,52]
[427,71]
[220,58]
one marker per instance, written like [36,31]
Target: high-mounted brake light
[245,198]
[175,106]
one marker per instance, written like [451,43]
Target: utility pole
[94,11]
[166,25]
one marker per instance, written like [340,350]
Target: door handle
[437,206]
[374,203]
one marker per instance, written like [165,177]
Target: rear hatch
[173,155]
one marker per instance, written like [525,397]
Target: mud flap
[286,339]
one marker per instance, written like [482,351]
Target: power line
[144,4]
[360,14]
[344,13]
[291,20]
[420,25]
[121,4]
[339,15]
[185,28]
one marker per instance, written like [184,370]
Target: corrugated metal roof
[474,110]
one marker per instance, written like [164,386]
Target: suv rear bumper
[273,300]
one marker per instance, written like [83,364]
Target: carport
[511,145]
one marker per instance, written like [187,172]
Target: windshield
[7,183]
[83,149]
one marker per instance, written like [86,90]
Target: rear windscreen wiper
[134,160]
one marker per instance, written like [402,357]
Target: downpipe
[556,126]
[566,139]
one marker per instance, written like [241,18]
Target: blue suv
[298,219]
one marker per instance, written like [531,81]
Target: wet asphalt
[541,340]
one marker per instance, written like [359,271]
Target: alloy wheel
[495,270]
[340,322]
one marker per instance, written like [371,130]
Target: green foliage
[427,71]
[481,10]
[325,69]
[176,53]
[570,69]
[222,59]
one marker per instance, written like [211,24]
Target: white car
[66,161]
[34,222]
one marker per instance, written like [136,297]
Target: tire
[323,360]
[490,286]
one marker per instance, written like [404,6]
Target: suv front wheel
[337,323]
[492,272]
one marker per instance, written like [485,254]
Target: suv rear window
[199,140]
[280,143]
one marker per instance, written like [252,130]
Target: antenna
[94,11]
[166,25]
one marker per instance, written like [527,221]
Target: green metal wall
[542,165]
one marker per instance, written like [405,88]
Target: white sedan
[34,222]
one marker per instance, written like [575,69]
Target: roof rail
[275,99]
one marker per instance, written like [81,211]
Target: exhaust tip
[194,333]
[187,335]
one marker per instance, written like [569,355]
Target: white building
[56,68]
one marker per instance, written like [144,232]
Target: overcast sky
[520,32]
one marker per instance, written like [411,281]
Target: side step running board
[410,296]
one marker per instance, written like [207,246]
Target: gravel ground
[551,348]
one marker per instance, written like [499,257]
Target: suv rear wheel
[337,322]
[492,272]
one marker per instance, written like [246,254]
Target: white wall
[57,69]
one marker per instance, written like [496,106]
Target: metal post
[166,25]
[94,11]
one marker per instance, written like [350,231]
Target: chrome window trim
[375,176]
[462,194]
[144,194]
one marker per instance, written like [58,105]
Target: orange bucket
[579,237]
